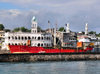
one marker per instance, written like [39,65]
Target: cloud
[16,18]
[76,12]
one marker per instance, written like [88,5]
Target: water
[73,67]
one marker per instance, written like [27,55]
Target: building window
[47,45]
[25,38]
[15,37]
[32,37]
[19,38]
[8,37]
[38,44]
[15,43]
[18,43]
[29,38]
[35,38]
[41,45]
[41,38]
[22,38]
[47,38]
[38,38]
[25,44]
[12,37]
[9,44]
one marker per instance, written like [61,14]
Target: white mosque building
[37,39]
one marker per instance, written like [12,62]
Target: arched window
[19,38]
[12,37]
[22,38]
[38,44]
[9,37]
[15,43]
[38,38]
[41,45]
[25,44]
[29,38]
[35,37]
[41,38]
[15,37]
[32,37]
[47,45]
[44,38]
[25,38]
[47,38]
[9,44]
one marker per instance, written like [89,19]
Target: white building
[84,39]
[21,38]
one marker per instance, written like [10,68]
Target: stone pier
[8,57]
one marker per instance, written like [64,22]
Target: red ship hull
[30,49]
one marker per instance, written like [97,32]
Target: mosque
[37,39]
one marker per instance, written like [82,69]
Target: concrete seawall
[48,57]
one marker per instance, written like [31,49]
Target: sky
[18,13]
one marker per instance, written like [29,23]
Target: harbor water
[67,67]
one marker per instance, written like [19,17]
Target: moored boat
[32,49]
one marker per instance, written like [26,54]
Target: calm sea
[73,67]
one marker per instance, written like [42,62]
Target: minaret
[55,37]
[86,29]
[67,28]
[34,25]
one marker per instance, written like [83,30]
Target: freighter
[44,42]
[29,49]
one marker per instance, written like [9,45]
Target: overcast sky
[17,13]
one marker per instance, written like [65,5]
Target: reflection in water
[73,67]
